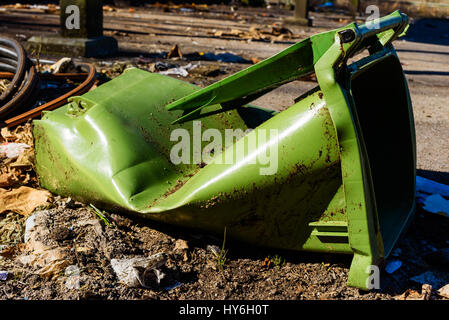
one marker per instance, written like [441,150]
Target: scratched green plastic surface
[111,147]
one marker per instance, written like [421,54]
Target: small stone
[181,245]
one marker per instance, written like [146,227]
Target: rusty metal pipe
[81,89]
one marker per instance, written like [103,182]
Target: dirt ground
[192,270]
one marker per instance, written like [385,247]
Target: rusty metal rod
[58,102]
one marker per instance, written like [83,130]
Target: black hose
[24,85]
[6,52]
[19,72]
[7,67]
[9,61]
[27,93]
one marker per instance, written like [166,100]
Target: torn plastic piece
[224,57]
[444,291]
[13,150]
[177,284]
[140,271]
[4,275]
[180,71]
[435,203]
[392,266]
[431,187]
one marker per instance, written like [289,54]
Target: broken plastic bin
[344,180]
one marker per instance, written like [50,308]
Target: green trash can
[335,172]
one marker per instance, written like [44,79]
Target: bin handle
[290,64]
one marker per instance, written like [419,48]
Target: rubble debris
[23,200]
[21,134]
[64,65]
[4,83]
[18,171]
[64,203]
[274,32]
[140,271]
[11,232]
[49,8]
[108,8]
[206,71]
[182,247]
[215,250]
[72,273]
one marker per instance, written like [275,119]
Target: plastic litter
[72,273]
[13,150]
[431,187]
[4,275]
[173,286]
[180,71]
[392,266]
[435,203]
[140,271]
[224,57]
[431,195]
[48,259]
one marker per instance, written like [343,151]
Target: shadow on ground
[427,30]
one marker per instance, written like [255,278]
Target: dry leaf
[22,200]
[6,180]
[426,292]
[26,159]
[175,52]
[444,291]
[9,251]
